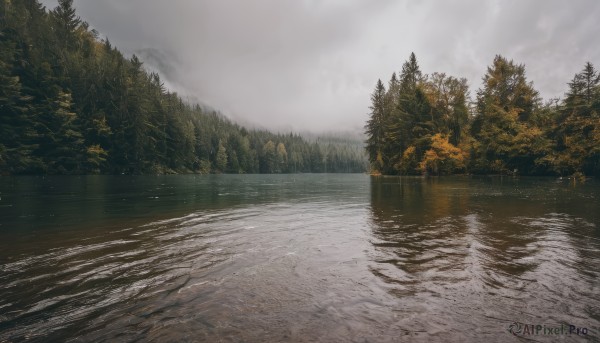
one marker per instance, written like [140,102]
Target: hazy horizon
[311,66]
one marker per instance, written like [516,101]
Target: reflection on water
[468,256]
[295,258]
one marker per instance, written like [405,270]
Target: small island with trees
[425,124]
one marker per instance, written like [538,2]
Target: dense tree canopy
[72,103]
[427,124]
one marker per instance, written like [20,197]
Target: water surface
[301,258]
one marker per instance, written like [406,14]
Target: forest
[71,103]
[430,124]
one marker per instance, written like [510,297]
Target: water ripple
[417,260]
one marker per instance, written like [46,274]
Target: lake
[301,258]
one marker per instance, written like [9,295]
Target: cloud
[311,65]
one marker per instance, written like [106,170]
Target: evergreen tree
[507,139]
[411,74]
[409,121]
[221,162]
[590,78]
[62,143]
[270,158]
[316,158]
[577,125]
[282,157]
[375,128]
[17,137]
[65,17]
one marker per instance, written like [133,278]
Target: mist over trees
[71,103]
[428,124]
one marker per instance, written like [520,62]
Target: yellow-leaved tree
[443,157]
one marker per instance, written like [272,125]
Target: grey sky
[311,65]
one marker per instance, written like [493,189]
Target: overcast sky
[311,65]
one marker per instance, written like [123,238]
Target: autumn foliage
[429,124]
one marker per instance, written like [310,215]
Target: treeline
[71,103]
[427,124]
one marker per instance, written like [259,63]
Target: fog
[311,65]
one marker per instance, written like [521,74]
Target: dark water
[304,258]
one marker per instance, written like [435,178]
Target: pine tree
[16,123]
[221,162]
[66,18]
[590,82]
[63,152]
[392,94]
[375,128]
[270,158]
[411,74]
[316,158]
[507,139]
[282,157]
[577,126]
[410,125]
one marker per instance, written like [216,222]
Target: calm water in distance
[301,258]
